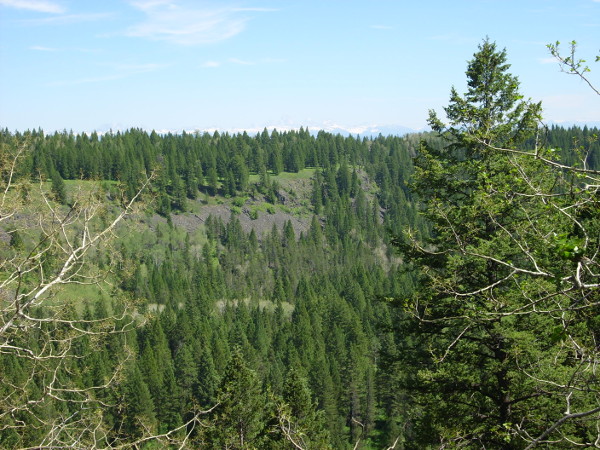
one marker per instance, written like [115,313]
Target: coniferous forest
[305,291]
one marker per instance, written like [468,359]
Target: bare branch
[558,423]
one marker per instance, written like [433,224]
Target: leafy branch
[570,64]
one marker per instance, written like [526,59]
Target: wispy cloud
[118,72]
[146,5]
[241,62]
[41,48]
[65,19]
[548,60]
[189,24]
[273,60]
[211,64]
[42,6]
[258,9]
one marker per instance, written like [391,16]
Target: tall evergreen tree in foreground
[500,341]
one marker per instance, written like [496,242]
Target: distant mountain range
[366,130]
[330,127]
[360,130]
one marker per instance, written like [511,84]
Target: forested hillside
[287,290]
[303,309]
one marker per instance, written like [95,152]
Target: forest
[306,291]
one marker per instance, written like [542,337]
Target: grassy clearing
[264,207]
[304,174]
[287,307]
[80,295]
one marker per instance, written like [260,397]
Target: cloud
[258,9]
[188,24]
[65,19]
[150,4]
[34,5]
[548,60]
[41,48]
[241,62]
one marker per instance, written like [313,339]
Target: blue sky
[86,65]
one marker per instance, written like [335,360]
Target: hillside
[255,283]
[283,266]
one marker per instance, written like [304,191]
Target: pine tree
[208,381]
[16,241]
[58,188]
[137,407]
[480,356]
[239,417]
[305,420]
[212,180]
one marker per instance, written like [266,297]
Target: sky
[173,65]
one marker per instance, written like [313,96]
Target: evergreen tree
[58,188]
[212,180]
[238,419]
[16,241]
[240,173]
[137,407]
[208,381]
[276,159]
[481,359]
[306,421]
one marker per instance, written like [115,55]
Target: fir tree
[58,188]
[238,419]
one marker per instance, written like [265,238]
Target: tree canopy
[214,290]
[503,319]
